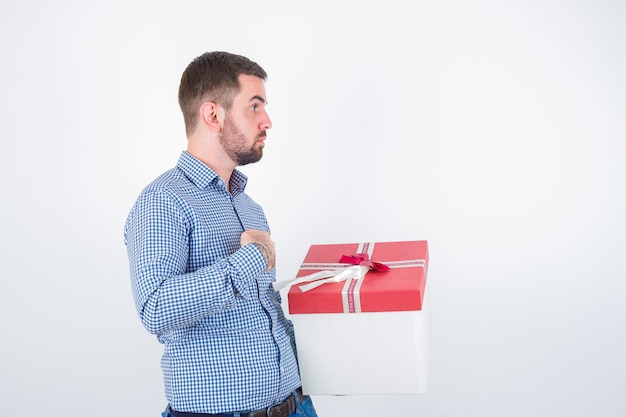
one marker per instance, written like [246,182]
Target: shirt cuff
[248,263]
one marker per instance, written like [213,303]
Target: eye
[254,107]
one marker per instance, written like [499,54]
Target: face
[245,124]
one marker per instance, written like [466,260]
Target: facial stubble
[236,145]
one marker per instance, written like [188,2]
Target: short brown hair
[213,76]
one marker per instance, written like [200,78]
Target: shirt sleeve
[157,239]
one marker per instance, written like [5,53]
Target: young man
[202,258]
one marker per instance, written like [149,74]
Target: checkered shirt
[227,344]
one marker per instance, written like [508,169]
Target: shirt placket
[281,341]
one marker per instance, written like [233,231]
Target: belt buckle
[269,412]
[281,409]
[273,410]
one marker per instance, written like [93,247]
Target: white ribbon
[333,275]
[323,277]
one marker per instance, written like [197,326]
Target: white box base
[364,353]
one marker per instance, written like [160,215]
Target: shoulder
[165,193]
[172,184]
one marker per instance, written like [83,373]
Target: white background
[495,130]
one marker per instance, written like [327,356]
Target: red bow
[364,260]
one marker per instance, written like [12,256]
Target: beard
[236,144]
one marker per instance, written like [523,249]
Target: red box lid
[401,288]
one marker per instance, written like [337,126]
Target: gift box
[361,318]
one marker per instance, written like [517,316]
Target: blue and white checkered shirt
[228,346]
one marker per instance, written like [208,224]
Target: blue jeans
[304,408]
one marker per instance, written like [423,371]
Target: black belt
[282,409]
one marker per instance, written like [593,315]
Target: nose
[266,123]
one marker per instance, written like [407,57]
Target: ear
[212,116]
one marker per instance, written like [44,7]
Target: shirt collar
[201,175]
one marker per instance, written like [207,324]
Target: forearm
[167,300]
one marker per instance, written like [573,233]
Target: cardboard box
[363,335]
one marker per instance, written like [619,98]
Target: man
[202,258]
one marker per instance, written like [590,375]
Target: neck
[213,157]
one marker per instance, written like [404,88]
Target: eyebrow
[261,99]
